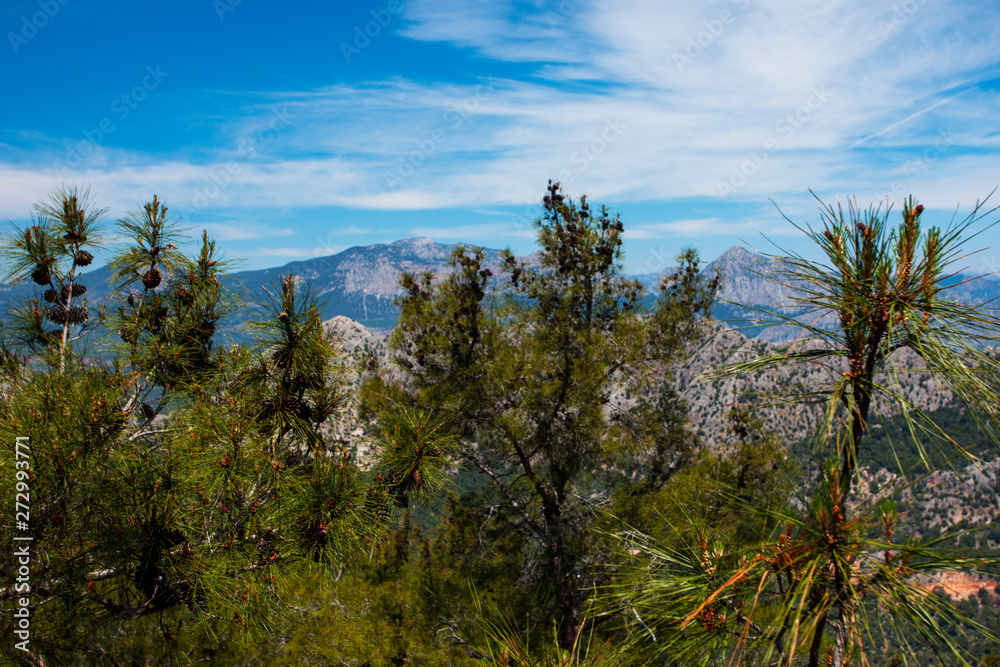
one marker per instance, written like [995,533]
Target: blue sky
[296,129]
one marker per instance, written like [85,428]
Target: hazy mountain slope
[752,283]
[971,493]
[361,282]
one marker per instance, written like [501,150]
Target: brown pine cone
[77,289]
[41,275]
[48,338]
[77,315]
[83,258]
[302,410]
[151,279]
[57,314]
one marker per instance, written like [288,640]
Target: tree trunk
[566,604]
[563,585]
[817,641]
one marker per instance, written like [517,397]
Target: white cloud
[296,253]
[629,101]
[474,232]
[706,227]
[243,232]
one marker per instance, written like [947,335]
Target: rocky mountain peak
[737,255]
[415,242]
[748,278]
[361,282]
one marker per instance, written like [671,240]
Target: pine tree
[834,573]
[177,485]
[52,252]
[521,366]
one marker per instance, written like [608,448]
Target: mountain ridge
[361,283]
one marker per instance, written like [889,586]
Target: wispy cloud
[473,233]
[296,253]
[705,228]
[916,114]
[241,232]
[697,89]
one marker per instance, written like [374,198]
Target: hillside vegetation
[545,462]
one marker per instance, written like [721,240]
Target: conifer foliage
[520,361]
[176,482]
[52,252]
[835,573]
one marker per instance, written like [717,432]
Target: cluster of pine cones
[61,315]
[76,289]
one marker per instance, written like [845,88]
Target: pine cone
[292,405]
[127,335]
[83,258]
[78,289]
[57,314]
[266,406]
[78,315]
[49,295]
[41,275]
[151,279]
[48,338]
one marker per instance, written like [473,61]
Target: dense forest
[529,488]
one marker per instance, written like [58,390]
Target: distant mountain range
[361,282]
[751,284]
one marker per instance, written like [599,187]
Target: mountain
[963,493]
[752,283]
[748,278]
[361,282]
